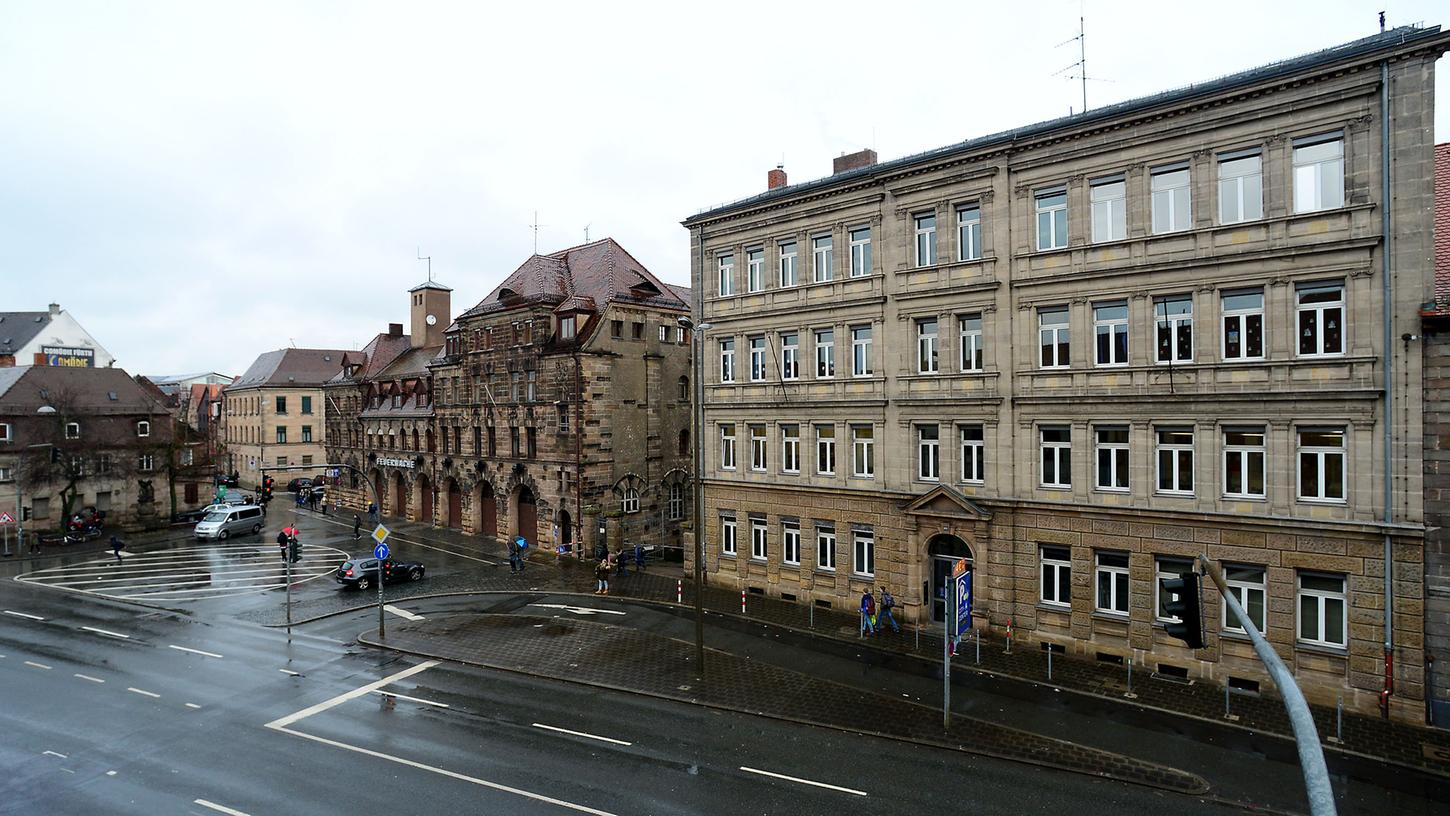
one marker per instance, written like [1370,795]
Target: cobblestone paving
[624,659]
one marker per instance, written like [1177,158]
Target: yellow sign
[380,534]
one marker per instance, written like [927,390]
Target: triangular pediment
[944,500]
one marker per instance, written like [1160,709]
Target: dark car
[362,572]
[297,484]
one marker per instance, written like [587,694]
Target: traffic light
[1183,605]
[54,455]
[266,488]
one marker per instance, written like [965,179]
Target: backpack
[869,605]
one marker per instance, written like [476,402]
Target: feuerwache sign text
[400,463]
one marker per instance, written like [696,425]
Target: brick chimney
[395,329]
[55,309]
[854,161]
[775,178]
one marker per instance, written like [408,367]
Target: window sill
[1112,617]
[1232,497]
[1114,491]
[1323,502]
[1056,488]
[730,556]
[1320,648]
[1048,606]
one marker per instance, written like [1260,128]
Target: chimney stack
[854,161]
[395,329]
[775,178]
[55,308]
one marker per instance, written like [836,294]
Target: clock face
[432,320]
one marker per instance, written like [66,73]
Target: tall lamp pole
[698,355]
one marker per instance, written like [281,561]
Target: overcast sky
[198,185]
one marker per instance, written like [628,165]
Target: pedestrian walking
[116,545]
[884,616]
[513,549]
[868,612]
[601,576]
[639,557]
[373,513]
[622,562]
[356,527]
[282,544]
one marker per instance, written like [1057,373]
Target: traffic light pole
[1306,735]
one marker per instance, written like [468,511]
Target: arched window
[630,503]
[684,395]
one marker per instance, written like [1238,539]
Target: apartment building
[273,413]
[1079,353]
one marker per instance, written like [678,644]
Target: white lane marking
[411,699]
[581,734]
[37,665]
[88,677]
[402,613]
[192,705]
[804,781]
[416,543]
[579,610]
[289,671]
[283,722]
[24,615]
[52,753]
[195,651]
[105,632]
[110,773]
[218,808]
[143,691]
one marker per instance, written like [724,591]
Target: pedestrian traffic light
[294,549]
[1183,605]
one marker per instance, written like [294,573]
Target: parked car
[226,521]
[297,485]
[361,572]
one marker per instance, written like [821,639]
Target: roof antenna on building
[429,259]
[535,227]
[1081,64]
[586,231]
[1382,22]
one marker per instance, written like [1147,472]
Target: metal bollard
[1130,693]
[742,602]
[680,590]
[979,647]
[918,636]
[1339,721]
[813,615]
[1049,664]
[1227,714]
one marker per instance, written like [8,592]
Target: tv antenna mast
[1081,64]
[429,259]
[586,231]
[535,227]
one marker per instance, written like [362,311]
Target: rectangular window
[925,239]
[790,356]
[143,428]
[5,432]
[664,333]
[823,258]
[516,386]
[146,463]
[863,451]
[1168,569]
[1321,464]
[1171,199]
[790,543]
[307,405]
[1109,210]
[757,359]
[826,450]
[864,550]
[1052,328]
[531,382]
[281,405]
[969,233]
[787,263]
[974,464]
[758,459]
[1246,584]
[926,346]
[1323,614]
[726,276]
[514,447]
[1056,566]
[825,353]
[492,441]
[928,453]
[306,460]
[567,327]
[727,536]
[1113,459]
[758,545]
[1318,173]
[727,360]
[1243,325]
[790,448]
[1320,309]
[860,251]
[531,438]
[972,347]
[1051,219]
[1056,446]
[636,331]
[1110,328]
[281,434]
[1243,463]
[1175,461]
[1240,188]
[727,447]
[826,548]
[754,270]
[1112,583]
[616,327]
[860,351]
[1174,318]
[306,433]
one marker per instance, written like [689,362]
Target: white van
[235,520]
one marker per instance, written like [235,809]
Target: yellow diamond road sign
[380,534]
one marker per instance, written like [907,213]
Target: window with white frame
[1321,464]
[826,547]
[727,360]
[1323,614]
[860,251]
[1113,459]
[864,551]
[1240,187]
[1243,462]
[675,503]
[788,255]
[1051,218]
[1055,564]
[1109,209]
[73,430]
[1174,319]
[925,238]
[664,333]
[726,270]
[790,542]
[974,460]
[825,353]
[790,356]
[823,258]
[1056,460]
[863,451]
[6,474]
[826,450]
[758,459]
[145,463]
[1175,461]
[754,270]
[1052,329]
[969,233]
[143,428]
[757,359]
[861,351]
[790,448]
[1319,173]
[727,447]
[1167,568]
[629,503]
[1112,583]
[5,432]
[1243,325]
[926,346]
[1246,584]
[928,453]
[972,347]
[567,327]
[1110,329]
[758,545]
[1320,312]
[1172,208]
[727,535]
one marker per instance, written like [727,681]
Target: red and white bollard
[679,590]
[742,602]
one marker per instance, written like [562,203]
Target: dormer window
[397,400]
[143,428]
[72,430]
[566,327]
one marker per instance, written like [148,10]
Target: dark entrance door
[528,516]
[425,499]
[566,530]
[455,505]
[400,496]
[943,551]
[488,511]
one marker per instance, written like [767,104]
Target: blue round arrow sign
[380,552]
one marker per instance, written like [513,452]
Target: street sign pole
[287,556]
[380,552]
[946,656]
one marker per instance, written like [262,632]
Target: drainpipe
[1388,369]
[578,428]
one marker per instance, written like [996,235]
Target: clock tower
[431,307]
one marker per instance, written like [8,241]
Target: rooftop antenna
[1382,22]
[1081,64]
[586,231]
[535,227]
[429,259]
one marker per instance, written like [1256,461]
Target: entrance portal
[943,552]
[487,509]
[525,515]
[425,499]
[566,531]
[400,496]
[455,505]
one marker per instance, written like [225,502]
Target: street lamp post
[698,358]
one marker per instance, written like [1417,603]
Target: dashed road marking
[192,705]
[851,791]
[88,677]
[37,665]
[219,808]
[410,699]
[106,632]
[143,692]
[195,651]
[52,753]
[290,672]
[581,734]
[25,615]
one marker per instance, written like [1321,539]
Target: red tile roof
[602,271]
[1442,225]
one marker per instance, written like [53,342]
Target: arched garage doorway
[943,551]
[455,504]
[486,510]
[400,496]
[524,514]
[425,499]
